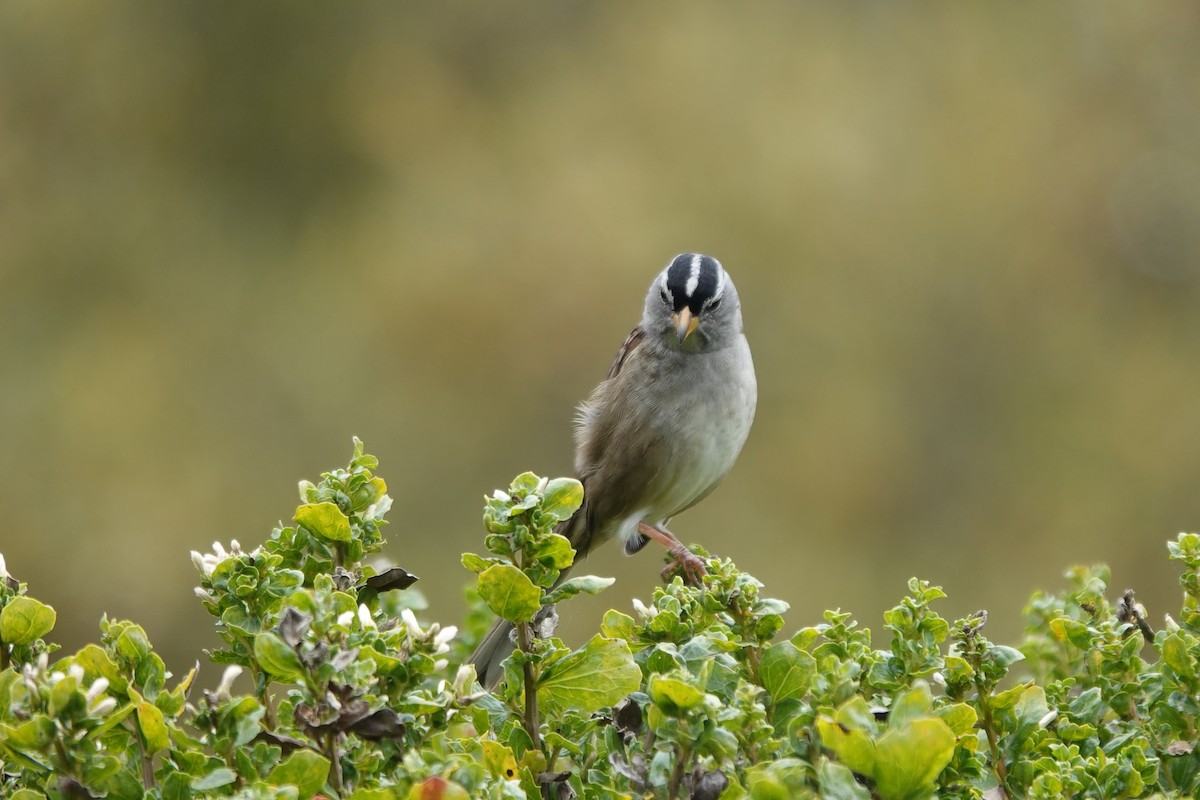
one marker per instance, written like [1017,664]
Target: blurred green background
[966,236]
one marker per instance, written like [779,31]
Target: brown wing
[630,344]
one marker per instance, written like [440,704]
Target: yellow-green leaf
[562,498]
[786,671]
[674,696]
[24,620]
[909,758]
[277,658]
[324,519]
[153,727]
[509,593]
[599,674]
[852,746]
[303,769]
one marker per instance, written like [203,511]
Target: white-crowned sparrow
[662,430]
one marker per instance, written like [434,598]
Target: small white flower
[3,568]
[234,547]
[939,679]
[642,610]
[43,662]
[103,707]
[464,679]
[501,496]
[345,618]
[200,563]
[225,687]
[364,617]
[219,550]
[1170,623]
[410,622]
[76,672]
[97,688]
[440,665]
[1048,718]
[444,637]
[541,486]
[203,594]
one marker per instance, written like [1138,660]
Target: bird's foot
[687,562]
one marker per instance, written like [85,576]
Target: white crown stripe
[694,276]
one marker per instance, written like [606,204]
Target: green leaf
[1070,630]
[616,625]
[554,550]
[912,704]
[324,519]
[960,718]
[562,498]
[1175,654]
[838,782]
[96,663]
[585,584]
[30,736]
[1009,696]
[599,674]
[153,727]
[781,779]
[222,776]
[1006,656]
[27,794]
[277,658]
[909,758]
[509,593]
[786,671]
[852,746]
[303,769]
[475,563]
[25,620]
[674,696]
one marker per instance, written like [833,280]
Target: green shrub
[695,695]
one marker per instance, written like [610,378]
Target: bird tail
[493,648]
[498,643]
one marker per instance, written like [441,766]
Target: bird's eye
[713,305]
[666,298]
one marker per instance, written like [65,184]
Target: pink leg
[692,564]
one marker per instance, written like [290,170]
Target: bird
[663,428]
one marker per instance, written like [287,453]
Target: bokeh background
[967,239]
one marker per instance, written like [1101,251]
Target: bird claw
[688,563]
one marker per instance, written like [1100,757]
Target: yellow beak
[685,322]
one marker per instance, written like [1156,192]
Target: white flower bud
[444,637]
[102,708]
[464,679]
[364,617]
[225,687]
[97,688]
